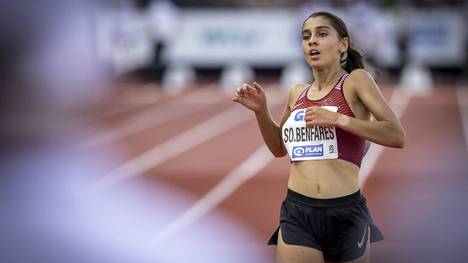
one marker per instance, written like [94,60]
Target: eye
[322,34]
[305,36]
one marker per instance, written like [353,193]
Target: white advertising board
[272,37]
[436,37]
[214,38]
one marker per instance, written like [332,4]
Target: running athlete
[324,129]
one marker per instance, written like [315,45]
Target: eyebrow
[317,28]
[323,27]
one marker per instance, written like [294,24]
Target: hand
[251,96]
[317,116]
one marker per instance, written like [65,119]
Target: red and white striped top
[350,147]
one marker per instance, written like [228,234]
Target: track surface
[209,148]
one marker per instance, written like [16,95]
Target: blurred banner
[436,37]
[272,37]
[123,39]
[216,37]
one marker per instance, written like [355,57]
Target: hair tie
[344,58]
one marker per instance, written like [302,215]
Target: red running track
[210,149]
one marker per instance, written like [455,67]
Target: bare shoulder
[295,91]
[360,75]
[360,79]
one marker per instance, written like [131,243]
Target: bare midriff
[324,178]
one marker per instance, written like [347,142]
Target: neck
[326,77]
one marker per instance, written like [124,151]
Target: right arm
[271,132]
[254,98]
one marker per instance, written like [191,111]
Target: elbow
[279,155]
[279,152]
[396,136]
[400,140]
[395,140]
[400,143]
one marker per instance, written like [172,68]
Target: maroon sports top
[350,147]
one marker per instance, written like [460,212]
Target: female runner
[324,129]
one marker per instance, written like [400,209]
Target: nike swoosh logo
[359,244]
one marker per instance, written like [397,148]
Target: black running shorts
[338,226]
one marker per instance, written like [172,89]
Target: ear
[344,44]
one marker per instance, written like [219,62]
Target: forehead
[316,22]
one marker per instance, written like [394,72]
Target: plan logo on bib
[308,150]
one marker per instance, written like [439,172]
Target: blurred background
[120,143]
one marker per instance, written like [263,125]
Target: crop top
[317,143]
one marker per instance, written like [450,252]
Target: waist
[334,167]
[324,178]
[328,202]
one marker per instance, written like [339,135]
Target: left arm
[385,130]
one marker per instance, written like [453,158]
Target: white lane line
[116,111]
[462,97]
[149,94]
[248,169]
[177,145]
[123,109]
[153,117]
[399,102]
[242,173]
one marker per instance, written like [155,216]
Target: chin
[319,64]
[316,64]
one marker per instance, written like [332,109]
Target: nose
[313,41]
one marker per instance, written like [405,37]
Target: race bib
[315,143]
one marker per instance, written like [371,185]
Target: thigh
[296,254]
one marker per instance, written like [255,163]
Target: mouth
[314,53]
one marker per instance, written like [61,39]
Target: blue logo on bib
[307,151]
[299,115]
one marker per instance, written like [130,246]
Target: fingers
[317,122]
[310,121]
[312,116]
[317,116]
[251,96]
[243,90]
[250,90]
[258,88]
[311,113]
[240,90]
[239,97]
[242,93]
[246,90]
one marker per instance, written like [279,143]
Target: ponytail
[351,60]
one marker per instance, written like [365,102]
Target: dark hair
[351,59]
